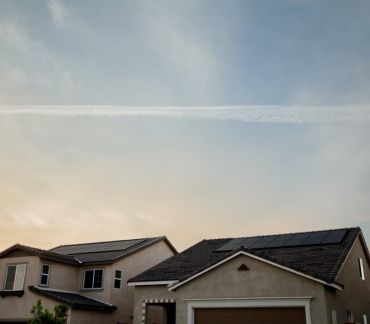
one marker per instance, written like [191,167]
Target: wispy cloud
[21,53]
[64,17]
[59,12]
[257,114]
[175,33]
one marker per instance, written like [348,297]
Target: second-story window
[14,279]
[361,268]
[93,279]
[117,279]
[44,281]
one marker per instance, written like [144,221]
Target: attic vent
[243,267]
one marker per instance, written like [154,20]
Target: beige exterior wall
[70,278]
[130,267]
[13,307]
[356,294]
[61,276]
[89,317]
[225,281]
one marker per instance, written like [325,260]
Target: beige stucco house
[318,277]
[90,278]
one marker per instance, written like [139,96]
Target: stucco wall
[69,277]
[356,294]
[61,276]
[89,317]
[19,307]
[130,267]
[225,281]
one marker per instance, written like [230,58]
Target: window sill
[7,293]
[92,289]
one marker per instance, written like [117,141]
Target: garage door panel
[250,316]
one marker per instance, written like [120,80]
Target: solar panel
[335,236]
[286,240]
[279,240]
[262,242]
[231,245]
[248,242]
[315,238]
[297,239]
[97,247]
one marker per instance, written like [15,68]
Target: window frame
[349,316]
[119,279]
[45,274]
[102,280]
[6,276]
[334,317]
[361,268]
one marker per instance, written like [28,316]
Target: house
[90,278]
[319,277]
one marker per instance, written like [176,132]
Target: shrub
[44,316]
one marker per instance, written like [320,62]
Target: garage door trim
[248,303]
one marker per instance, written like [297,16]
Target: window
[93,279]
[44,281]
[15,274]
[117,279]
[364,318]
[361,268]
[349,317]
[334,317]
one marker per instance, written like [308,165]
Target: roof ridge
[277,234]
[112,241]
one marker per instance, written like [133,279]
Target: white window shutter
[19,277]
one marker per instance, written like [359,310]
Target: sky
[190,119]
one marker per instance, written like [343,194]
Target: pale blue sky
[206,173]
[185,52]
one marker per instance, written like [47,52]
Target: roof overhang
[51,256]
[245,253]
[48,293]
[153,283]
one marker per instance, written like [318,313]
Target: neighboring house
[315,277]
[90,278]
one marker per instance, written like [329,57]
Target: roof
[322,261]
[74,300]
[50,255]
[91,253]
[107,252]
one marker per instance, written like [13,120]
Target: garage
[259,315]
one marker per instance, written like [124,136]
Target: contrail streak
[252,114]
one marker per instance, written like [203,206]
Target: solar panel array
[286,240]
[97,247]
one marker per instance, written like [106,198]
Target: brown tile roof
[73,299]
[319,261]
[50,255]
